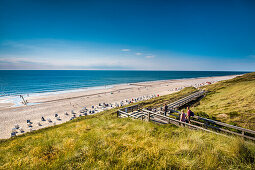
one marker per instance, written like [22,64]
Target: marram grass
[112,143]
[231,101]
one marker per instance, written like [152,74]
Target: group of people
[186,117]
[183,117]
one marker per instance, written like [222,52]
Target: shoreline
[75,101]
[16,101]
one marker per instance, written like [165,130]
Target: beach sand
[65,102]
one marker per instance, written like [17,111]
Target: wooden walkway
[186,100]
[197,122]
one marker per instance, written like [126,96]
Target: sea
[36,82]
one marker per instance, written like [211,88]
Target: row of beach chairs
[83,112]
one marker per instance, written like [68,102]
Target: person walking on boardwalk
[183,116]
[189,114]
[166,109]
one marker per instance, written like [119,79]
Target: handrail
[125,113]
[226,125]
[130,114]
[221,123]
[242,135]
[140,113]
[194,126]
[133,106]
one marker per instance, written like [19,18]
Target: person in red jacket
[188,114]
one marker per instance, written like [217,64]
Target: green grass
[231,101]
[103,141]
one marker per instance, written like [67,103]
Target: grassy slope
[231,101]
[104,141]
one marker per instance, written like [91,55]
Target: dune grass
[231,101]
[107,142]
[103,141]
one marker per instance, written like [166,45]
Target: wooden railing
[171,120]
[196,121]
[130,108]
[219,126]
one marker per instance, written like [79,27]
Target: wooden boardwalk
[186,100]
[197,122]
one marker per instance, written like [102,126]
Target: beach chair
[13,134]
[14,130]
[29,124]
[39,124]
[21,130]
[49,120]
[66,114]
[16,126]
[43,119]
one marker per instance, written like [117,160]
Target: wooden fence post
[149,116]
[206,124]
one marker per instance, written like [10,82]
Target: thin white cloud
[149,56]
[72,55]
[21,59]
[125,49]
[79,63]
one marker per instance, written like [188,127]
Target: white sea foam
[17,101]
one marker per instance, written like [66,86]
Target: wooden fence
[197,122]
[218,126]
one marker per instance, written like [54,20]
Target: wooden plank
[226,125]
[186,100]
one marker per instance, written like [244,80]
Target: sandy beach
[66,102]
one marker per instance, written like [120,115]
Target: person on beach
[165,109]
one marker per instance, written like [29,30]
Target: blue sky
[123,35]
